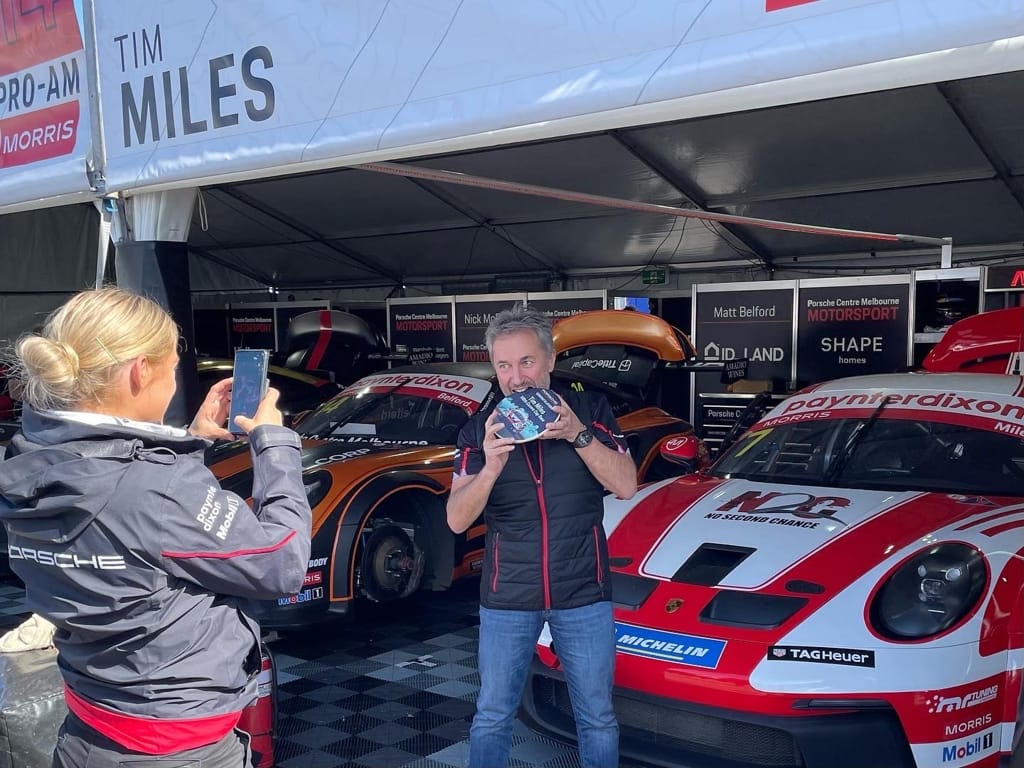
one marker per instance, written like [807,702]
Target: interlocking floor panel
[392,686]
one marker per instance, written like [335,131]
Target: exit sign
[655,276]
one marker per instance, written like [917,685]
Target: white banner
[195,88]
[44,114]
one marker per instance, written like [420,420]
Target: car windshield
[897,454]
[400,407]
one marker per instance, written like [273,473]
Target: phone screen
[249,385]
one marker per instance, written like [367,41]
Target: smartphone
[249,385]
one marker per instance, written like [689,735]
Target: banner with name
[746,321]
[472,315]
[739,321]
[44,114]
[422,329]
[195,89]
[851,327]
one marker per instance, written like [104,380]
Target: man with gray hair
[546,557]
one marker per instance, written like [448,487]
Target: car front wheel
[391,566]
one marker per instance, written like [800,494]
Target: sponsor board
[714,353]
[968,726]
[305,596]
[774,508]
[424,329]
[377,442]
[615,365]
[850,329]
[743,323]
[668,646]
[849,657]
[252,328]
[42,64]
[976,749]
[427,384]
[972,748]
[422,322]
[341,456]
[39,135]
[945,703]
[243,84]
[472,316]
[1007,413]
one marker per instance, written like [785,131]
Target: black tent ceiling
[943,159]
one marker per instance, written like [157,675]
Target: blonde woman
[127,543]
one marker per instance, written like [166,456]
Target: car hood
[728,573]
[744,535]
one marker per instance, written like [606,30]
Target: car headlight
[930,593]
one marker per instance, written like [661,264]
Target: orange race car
[378,459]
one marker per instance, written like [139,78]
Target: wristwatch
[583,439]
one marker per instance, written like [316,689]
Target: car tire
[391,566]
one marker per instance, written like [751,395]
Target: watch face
[583,439]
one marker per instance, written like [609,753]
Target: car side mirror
[686,451]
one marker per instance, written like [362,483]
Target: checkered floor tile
[393,686]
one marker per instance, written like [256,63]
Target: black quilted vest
[545,542]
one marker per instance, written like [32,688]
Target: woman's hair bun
[75,357]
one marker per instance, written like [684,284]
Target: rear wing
[991,342]
[592,334]
[632,329]
[335,345]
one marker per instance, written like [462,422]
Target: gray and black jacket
[128,544]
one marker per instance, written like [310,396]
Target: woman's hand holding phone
[210,418]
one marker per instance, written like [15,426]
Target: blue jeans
[585,641]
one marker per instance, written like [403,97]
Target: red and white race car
[843,588]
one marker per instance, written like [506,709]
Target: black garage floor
[392,688]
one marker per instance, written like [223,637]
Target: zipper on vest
[538,480]
[494,577]
[597,556]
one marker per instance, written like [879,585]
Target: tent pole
[451,177]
